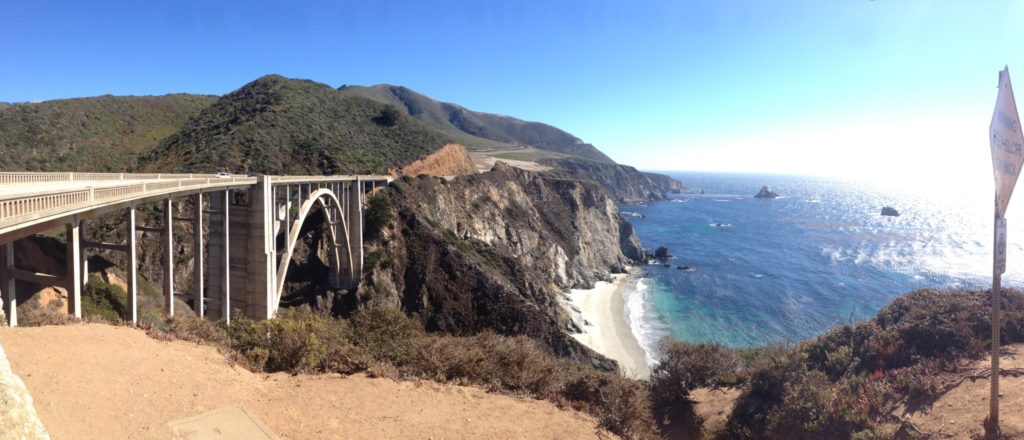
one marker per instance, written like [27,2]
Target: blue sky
[844,88]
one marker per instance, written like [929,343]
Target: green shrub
[386,335]
[518,364]
[297,341]
[621,405]
[775,369]
[103,301]
[378,216]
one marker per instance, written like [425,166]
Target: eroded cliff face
[450,160]
[494,251]
[623,182]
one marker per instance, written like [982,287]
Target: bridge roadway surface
[247,260]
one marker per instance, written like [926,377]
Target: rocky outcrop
[494,251]
[889,211]
[766,193]
[451,160]
[18,419]
[661,254]
[623,182]
[666,183]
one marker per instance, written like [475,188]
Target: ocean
[780,271]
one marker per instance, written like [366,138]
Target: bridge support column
[7,283]
[84,225]
[74,268]
[133,270]
[354,220]
[198,294]
[219,252]
[258,288]
[168,242]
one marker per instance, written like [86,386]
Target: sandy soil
[94,381]
[604,308]
[960,412]
[714,406]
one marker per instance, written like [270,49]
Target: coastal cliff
[493,252]
[624,182]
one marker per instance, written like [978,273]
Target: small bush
[378,216]
[621,405]
[195,329]
[386,335]
[297,341]
[517,364]
[103,301]
[775,369]
[34,314]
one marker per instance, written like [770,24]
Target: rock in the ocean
[766,193]
[661,253]
[890,211]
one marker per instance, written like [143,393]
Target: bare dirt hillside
[92,381]
[451,160]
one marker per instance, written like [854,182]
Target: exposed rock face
[623,182]
[889,211]
[18,418]
[451,160]
[493,251]
[766,193]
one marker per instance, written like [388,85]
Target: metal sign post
[1007,143]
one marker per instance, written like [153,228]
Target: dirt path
[960,412]
[96,381]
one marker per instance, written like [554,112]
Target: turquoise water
[783,270]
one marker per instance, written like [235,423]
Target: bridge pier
[168,260]
[198,292]
[74,268]
[219,252]
[133,269]
[7,283]
[256,282]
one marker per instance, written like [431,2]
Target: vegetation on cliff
[477,130]
[104,133]
[277,125]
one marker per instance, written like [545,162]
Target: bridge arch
[334,214]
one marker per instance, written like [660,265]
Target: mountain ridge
[479,130]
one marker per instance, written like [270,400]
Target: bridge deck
[30,202]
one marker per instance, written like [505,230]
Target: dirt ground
[714,406]
[960,412]
[92,381]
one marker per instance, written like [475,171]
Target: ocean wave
[643,321]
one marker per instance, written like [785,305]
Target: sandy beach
[602,316]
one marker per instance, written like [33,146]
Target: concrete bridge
[245,231]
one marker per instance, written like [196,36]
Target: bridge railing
[36,205]
[314,179]
[29,177]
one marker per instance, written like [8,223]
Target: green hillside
[103,133]
[288,126]
[476,130]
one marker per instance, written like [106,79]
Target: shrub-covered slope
[103,133]
[288,126]
[478,130]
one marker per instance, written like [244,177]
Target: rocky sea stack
[889,211]
[766,193]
